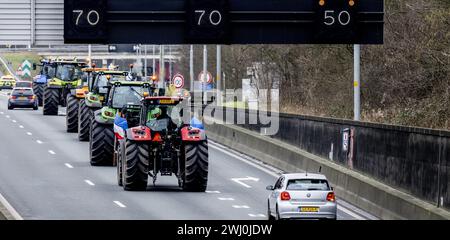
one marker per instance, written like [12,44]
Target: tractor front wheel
[38,90]
[85,115]
[72,114]
[119,156]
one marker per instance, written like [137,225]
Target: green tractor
[68,75]
[120,94]
[95,97]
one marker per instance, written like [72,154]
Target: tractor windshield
[162,116]
[68,72]
[104,79]
[48,70]
[127,95]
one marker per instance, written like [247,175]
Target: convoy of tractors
[130,124]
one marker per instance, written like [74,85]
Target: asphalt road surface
[45,174]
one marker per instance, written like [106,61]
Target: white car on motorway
[301,196]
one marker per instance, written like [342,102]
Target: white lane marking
[39,141]
[225,199]
[350,212]
[14,121]
[241,206]
[10,209]
[89,182]
[249,162]
[68,165]
[120,204]
[2,113]
[51,152]
[7,116]
[239,181]
[213,192]
[256,215]
[29,134]
[21,126]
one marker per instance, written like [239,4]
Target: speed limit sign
[209,77]
[178,81]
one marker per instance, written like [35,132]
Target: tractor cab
[66,72]
[161,114]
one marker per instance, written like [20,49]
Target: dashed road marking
[68,165]
[225,199]
[2,113]
[21,126]
[29,134]
[213,192]
[120,204]
[14,121]
[89,182]
[241,206]
[39,141]
[51,152]
[7,116]
[256,215]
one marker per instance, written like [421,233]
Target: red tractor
[161,143]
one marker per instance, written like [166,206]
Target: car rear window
[26,92]
[23,84]
[308,185]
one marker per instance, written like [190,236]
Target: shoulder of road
[364,192]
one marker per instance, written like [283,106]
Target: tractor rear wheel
[72,114]
[196,166]
[51,101]
[101,144]
[85,115]
[135,166]
[39,91]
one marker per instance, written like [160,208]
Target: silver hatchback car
[301,196]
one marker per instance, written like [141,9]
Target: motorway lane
[45,174]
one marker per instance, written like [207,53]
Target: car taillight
[285,196]
[331,197]
[13,97]
[31,97]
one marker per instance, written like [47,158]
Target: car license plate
[309,209]
[22,98]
